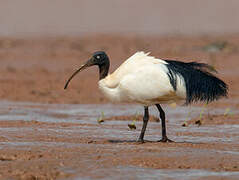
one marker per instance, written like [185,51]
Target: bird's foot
[140,141]
[165,139]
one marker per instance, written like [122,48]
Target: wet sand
[40,141]
[49,133]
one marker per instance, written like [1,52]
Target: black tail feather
[201,84]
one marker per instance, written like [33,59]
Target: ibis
[146,80]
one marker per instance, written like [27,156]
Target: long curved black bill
[78,70]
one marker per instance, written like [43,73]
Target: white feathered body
[142,79]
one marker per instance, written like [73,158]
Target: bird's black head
[98,58]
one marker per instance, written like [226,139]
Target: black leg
[162,117]
[145,122]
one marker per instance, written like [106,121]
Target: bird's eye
[98,57]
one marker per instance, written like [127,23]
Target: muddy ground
[49,133]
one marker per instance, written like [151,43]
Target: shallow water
[88,115]
[160,174]
[114,136]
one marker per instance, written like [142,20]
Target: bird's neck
[104,70]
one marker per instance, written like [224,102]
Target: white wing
[142,79]
[138,60]
[150,85]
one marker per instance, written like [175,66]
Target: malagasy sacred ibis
[151,81]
